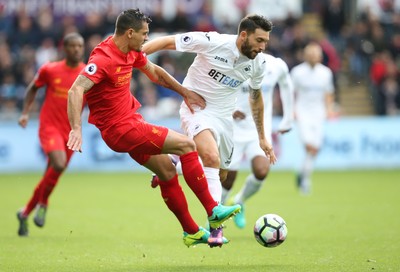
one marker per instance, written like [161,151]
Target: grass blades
[116,222]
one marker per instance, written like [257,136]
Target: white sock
[178,167]
[214,184]
[225,195]
[308,167]
[251,186]
[178,164]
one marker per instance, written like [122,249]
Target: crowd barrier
[349,143]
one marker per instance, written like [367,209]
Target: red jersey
[110,100]
[58,77]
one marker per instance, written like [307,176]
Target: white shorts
[311,131]
[221,128]
[310,122]
[247,146]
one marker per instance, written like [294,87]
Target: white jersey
[311,84]
[218,69]
[276,72]
[245,132]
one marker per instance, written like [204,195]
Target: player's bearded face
[248,50]
[254,43]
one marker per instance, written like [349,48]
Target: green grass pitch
[116,222]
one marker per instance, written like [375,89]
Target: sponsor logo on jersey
[156,131]
[224,79]
[123,80]
[221,59]
[91,68]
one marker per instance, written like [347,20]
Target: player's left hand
[75,140]
[283,131]
[23,120]
[269,151]
[194,99]
[332,115]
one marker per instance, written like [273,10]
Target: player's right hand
[194,99]
[23,120]
[75,140]
[238,115]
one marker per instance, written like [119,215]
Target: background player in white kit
[222,64]
[314,102]
[245,133]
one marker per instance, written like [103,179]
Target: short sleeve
[195,42]
[258,74]
[96,68]
[293,75]
[140,59]
[41,76]
[283,66]
[330,88]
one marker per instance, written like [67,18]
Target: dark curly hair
[251,22]
[131,18]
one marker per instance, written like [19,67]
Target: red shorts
[52,139]
[136,137]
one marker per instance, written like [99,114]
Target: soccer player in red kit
[53,124]
[105,83]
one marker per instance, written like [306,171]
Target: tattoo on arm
[161,77]
[254,93]
[163,82]
[84,82]
[256,110]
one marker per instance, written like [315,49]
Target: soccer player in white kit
[222,64]
[245,134]
[313,88]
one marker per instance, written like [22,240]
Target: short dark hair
[71,36]
[131,18]
[251,22]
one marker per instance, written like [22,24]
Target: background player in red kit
[113,110]
[54,126]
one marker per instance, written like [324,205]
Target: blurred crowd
[364,48]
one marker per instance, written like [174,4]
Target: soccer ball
[270,230]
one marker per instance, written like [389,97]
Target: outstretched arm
[159,76]
[30,95]
[330,106]
[287,98]
[257,110]
[160,43]
[75,102]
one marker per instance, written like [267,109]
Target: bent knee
[223,175]
[59,167]
[211,160]
[166,173]
[185,145]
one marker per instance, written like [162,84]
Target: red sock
[197,181]
[42,190]
[175,199]
[51,178]
[34,199]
